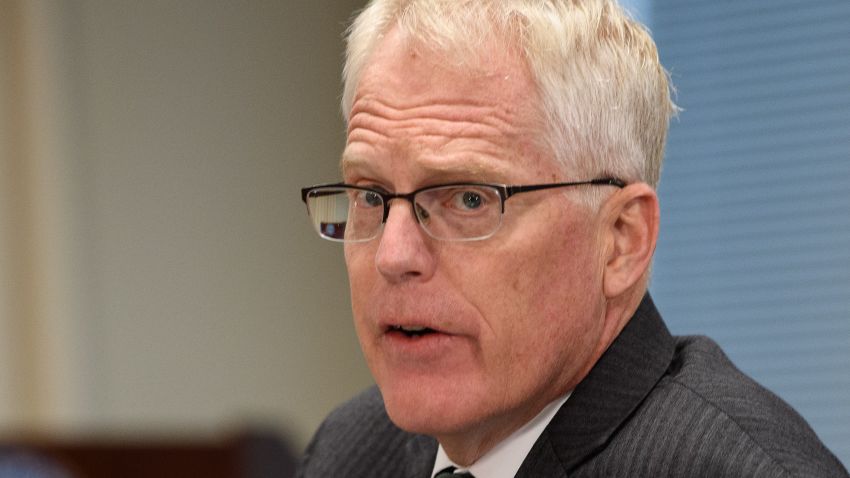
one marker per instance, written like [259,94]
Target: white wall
[175,283]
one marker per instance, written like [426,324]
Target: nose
[405,252]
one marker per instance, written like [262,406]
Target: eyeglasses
[449,212]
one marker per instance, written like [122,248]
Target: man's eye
[370,198]
[469,200]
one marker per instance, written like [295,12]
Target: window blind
[755,195]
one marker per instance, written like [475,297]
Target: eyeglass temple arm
[511,190]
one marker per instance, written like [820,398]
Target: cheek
[361,278]
[548,274]
[542,301]
[362,275]
[360,263]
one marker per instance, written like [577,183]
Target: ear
[631,231]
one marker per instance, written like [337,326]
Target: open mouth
[412,332]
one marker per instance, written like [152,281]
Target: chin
[427,410]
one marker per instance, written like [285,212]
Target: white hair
[604,95]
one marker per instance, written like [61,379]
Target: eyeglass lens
[466,212]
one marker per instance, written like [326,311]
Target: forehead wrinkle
[426,129]
[433,117]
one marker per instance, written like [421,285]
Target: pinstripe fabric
[358,440]
[653,406]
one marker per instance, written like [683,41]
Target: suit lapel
[613,389]
[542,460]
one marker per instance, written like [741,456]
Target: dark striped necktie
[450,473]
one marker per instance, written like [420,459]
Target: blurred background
[159,278]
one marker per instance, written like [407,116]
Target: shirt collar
[504,459]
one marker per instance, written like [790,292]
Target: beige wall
[158,272]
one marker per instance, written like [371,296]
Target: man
[508,328]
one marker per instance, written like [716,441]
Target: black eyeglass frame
[505,192]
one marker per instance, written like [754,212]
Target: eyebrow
[348,161]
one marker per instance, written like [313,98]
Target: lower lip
[426,347]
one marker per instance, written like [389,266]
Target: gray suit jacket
[653,406]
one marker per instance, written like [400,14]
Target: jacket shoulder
[358,439]
[707,418]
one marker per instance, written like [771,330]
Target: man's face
[515,319]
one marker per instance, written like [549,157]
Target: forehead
[484,109]
[405,63]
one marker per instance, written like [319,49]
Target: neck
[618,312]
[520,441]
[468,446]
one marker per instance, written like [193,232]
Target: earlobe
[632,231]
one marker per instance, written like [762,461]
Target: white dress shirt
[504,459]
